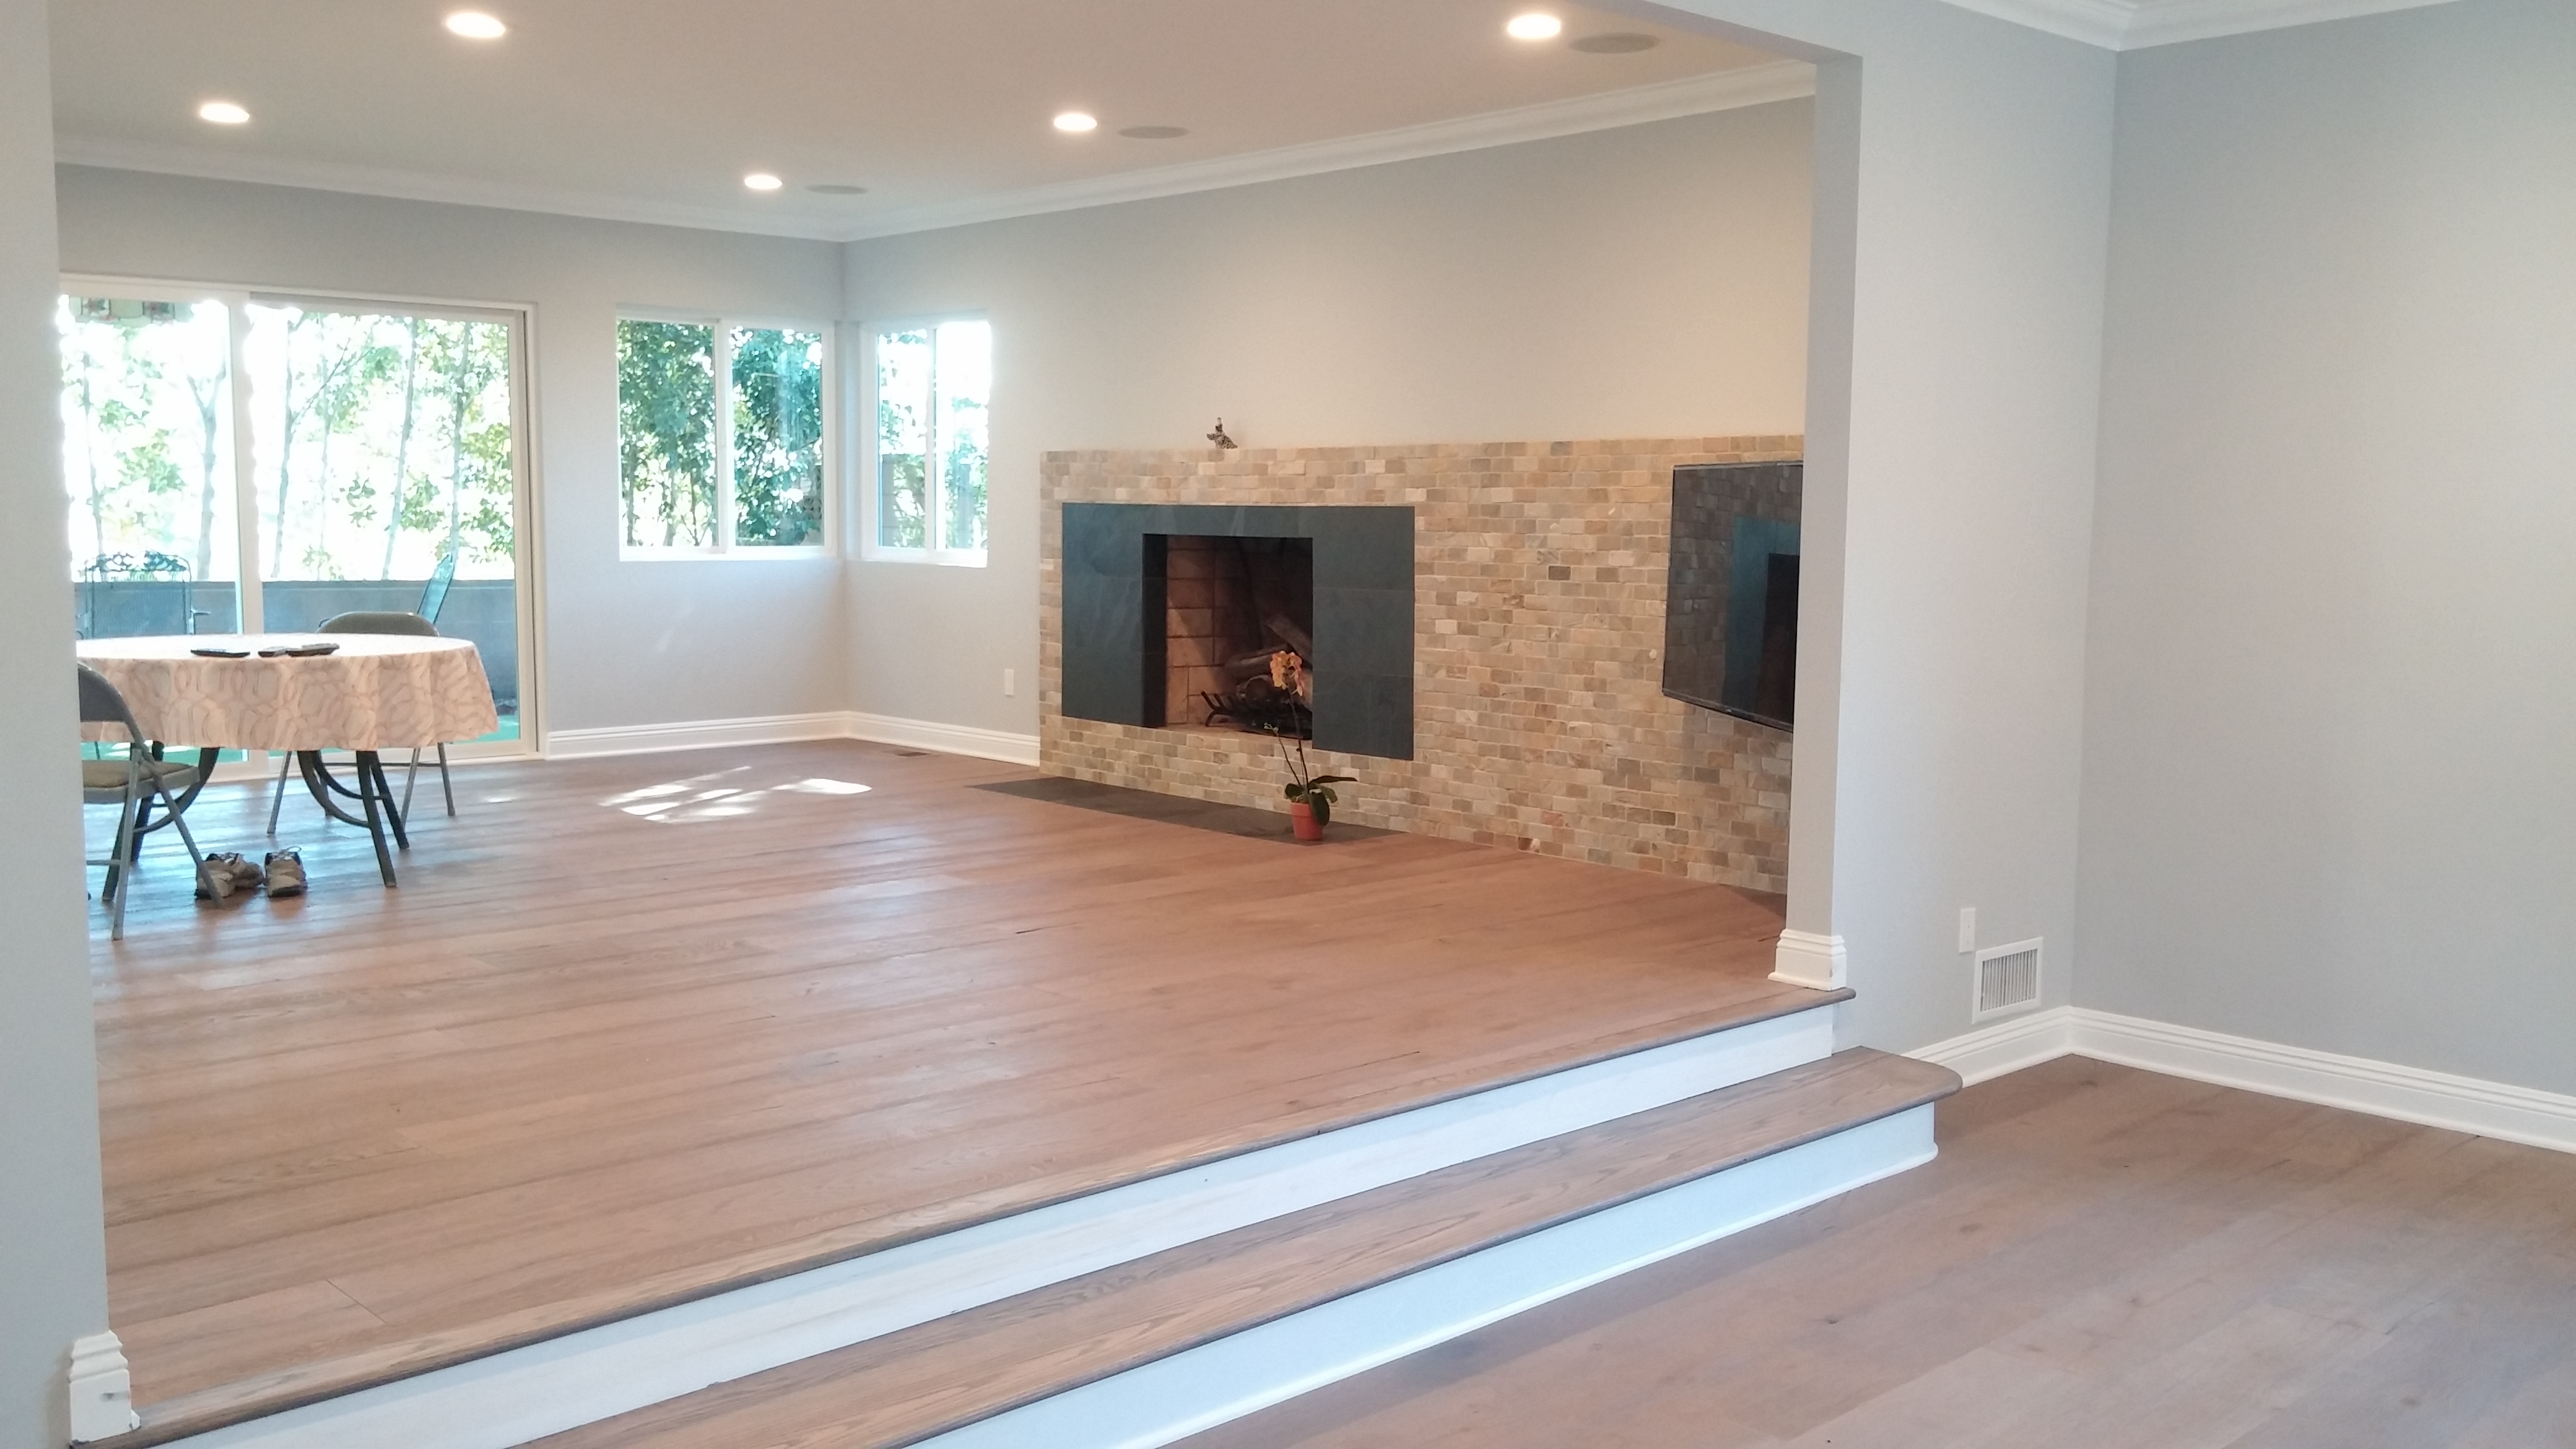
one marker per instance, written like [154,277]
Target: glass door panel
[384,446]
[148,458]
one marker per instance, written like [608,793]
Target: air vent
[2007,979]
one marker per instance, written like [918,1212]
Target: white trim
[2359,1084]
[545,1388]
[947,739]
[2008,1046]
[101,1387]
[1173,1398]
[2139,24]
[1725,90]
[1804,958]
[700,734]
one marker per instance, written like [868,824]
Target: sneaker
[226,873]
[285,873]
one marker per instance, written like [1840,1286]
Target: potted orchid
[1310,796]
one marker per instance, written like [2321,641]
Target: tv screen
[1731,593]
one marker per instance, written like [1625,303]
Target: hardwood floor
[2100,1257]
[634,1028]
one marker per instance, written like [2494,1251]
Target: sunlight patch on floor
[700,798]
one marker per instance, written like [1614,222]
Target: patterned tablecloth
[379,692]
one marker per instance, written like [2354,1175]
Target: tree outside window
[933,439]
[720,436]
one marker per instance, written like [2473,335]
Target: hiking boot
[285,874]
[226,873]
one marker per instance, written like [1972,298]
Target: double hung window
[722,437]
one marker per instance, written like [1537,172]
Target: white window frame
[864,474]
[726,546]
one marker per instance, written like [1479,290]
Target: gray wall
[624,643]
[1629,283]
[53,1248]
[2331,729]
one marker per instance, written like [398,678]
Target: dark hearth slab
[1240,820]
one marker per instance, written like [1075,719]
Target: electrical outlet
[1967,929]
[1010,683]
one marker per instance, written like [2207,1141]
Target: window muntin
[723,434]
[932,441]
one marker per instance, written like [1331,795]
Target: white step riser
[509,1398]
[1175,1397]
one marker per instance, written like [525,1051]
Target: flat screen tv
[1731,594]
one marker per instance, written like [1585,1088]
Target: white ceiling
[655,109]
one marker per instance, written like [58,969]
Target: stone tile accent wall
[1539,718]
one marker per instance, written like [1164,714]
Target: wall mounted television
[1731,593]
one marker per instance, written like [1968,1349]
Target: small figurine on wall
[1219,436]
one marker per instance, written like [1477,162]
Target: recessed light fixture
[1534,25]
[475,25]
[222,113]
[1077,122]
[1620,42]
[836,188]
[1154,133]
[762,181]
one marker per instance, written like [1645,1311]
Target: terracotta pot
[1301,818]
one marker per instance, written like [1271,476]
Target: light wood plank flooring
[634,1027]
[2100,1257]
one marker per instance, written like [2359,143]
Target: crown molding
[1694,95]
[2140,24]
[418,186]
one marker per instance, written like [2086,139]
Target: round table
[376,692]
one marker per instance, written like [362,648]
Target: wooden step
[954,1371]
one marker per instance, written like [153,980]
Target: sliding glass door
[256,463]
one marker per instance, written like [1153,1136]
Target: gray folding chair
[374,622]
[127,784]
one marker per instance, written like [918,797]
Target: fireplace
[1250,582]
[1238,631]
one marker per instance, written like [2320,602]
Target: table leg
[317,778]
[375,764]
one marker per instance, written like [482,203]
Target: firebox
[1294,619]
[1238,631]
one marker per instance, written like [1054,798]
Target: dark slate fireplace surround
[1114,627]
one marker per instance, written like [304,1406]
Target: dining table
[257,692]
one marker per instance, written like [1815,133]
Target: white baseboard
[545,1388]
[948,739]
[1804,958]
[102,1388]
[2382,1089]
[779,729]
[1175,1397]
[699,734]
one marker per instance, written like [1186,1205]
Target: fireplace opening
[1238,632]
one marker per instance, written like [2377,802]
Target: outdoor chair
[127,784]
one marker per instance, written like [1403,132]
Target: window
[244,461]
[720,431]
[933,435]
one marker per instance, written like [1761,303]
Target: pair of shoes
[285,873]
[225,874]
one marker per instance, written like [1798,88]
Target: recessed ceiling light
[1154,133]
[222,113]
[1076,122]
[475,25]
[1535,25]
[1623,42]
[836,188]
[762,181]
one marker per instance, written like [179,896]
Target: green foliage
[777,436]
[666,408]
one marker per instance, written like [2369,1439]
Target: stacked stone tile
[1539,717]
